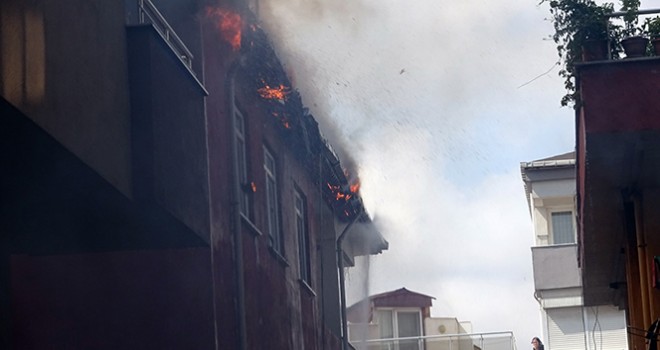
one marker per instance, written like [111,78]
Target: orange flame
[253,186]
[355,187]
[230,25]
[339,195]
[274,93]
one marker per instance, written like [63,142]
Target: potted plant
[634,45]
[582,33]
[652,29]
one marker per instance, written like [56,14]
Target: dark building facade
[618,172]
[163,185]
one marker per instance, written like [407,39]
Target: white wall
[433,325]
[546,197]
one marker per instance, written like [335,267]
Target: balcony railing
[620,14]
[468,341]
[141,12]
[639,13]
[148,13]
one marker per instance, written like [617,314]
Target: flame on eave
[338,194]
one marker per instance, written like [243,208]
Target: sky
[435,103]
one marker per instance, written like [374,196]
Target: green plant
[630,7]
[652,27]
[577,22]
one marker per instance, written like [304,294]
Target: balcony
[556,267]
[168,121]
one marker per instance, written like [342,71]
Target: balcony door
[404,323]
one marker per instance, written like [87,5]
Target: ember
[229,23]
[253,186]
[283,119]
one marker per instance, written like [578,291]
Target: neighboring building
[401,319]
[566,322]
[163,187]
[618,189]
[396,314]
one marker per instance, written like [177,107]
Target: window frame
[551,228]
[395,319]
[242,161]
[273,221]
[302,233]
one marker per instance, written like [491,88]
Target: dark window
[272,208]
[241,162]
[300,208]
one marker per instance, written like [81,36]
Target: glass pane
[239,122]
[562,228]
[242,174]
[385,325]
[408,326]
[303,245]
[272,211]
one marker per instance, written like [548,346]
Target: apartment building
[567,323]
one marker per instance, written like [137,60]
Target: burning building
[164,186]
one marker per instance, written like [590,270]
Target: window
[241,162]
[562,227]
[400,324]
[272,209]
[300,208]
[385,324]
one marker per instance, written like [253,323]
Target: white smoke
[423,98]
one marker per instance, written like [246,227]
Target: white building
[401,320]
[566,322]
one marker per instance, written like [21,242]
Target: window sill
[253,229]
[307,287]
[278,256]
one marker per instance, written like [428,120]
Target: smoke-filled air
[437,102]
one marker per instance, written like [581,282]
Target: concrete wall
[445,326]
[442,326]
[620,97]
[556,267]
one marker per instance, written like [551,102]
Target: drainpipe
[340,266]
[641,258]
[236,216]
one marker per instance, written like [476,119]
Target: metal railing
[639,13]
[468,341]
[148,13]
